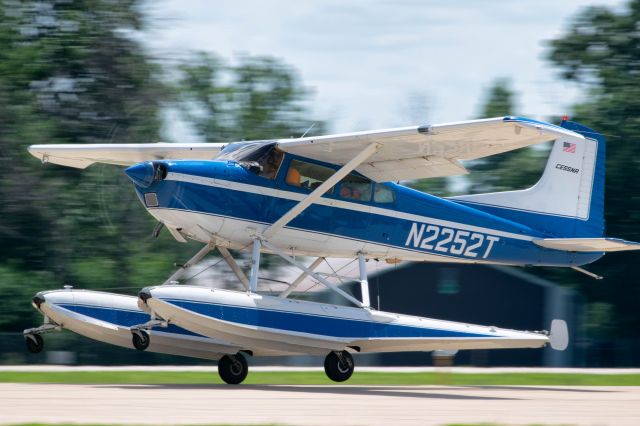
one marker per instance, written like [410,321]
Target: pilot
[345,191]
[272,163]
[293,176]
[350,190]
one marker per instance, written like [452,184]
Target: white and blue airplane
[334,196]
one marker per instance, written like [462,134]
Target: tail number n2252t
[450,241]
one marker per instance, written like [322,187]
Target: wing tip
[549,126]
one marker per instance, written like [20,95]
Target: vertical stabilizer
[568,200]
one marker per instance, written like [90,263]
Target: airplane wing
[81,156]
[427,151]
[405,153]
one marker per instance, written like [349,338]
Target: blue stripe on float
[313,324]
[122,317]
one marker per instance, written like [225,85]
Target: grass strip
[318,378]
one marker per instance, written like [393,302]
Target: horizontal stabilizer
[588,244]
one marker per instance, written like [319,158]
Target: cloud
[366,58]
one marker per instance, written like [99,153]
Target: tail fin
[568,200]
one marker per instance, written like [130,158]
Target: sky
[381,64]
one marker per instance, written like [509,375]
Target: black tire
[339,366]
[36,346]
[233,369]
[141,340]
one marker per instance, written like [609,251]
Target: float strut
[234,266]
[315,275]
[255,265]
[195,259]
[301,278]
[364,284]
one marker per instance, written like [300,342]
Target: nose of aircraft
[141,174]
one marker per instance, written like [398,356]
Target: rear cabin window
[307,175]
[355,187]
[383,194]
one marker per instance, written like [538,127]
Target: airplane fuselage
[222,200]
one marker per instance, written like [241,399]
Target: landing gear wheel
[233,369]
[141,340]
[338,366]
[34,342]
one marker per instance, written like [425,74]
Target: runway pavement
[319,405]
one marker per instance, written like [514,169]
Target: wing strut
[301,278]
[319,191]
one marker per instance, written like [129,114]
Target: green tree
[600,52]
[510,170]
[499,100]
[69,73]
[255,98]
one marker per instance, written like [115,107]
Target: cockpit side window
[354,187]
[384,194]
[307,175]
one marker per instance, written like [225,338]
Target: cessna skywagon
[334,196]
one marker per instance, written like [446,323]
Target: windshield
[261,158]
[245,151]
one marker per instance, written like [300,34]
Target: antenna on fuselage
[309,129]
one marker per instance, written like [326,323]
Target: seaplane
[336,196]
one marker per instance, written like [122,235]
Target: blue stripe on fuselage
[321,325]
[537,219]
[356,225]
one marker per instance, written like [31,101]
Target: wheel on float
[233,369]
[339,366]
[34,342]
[141,340]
